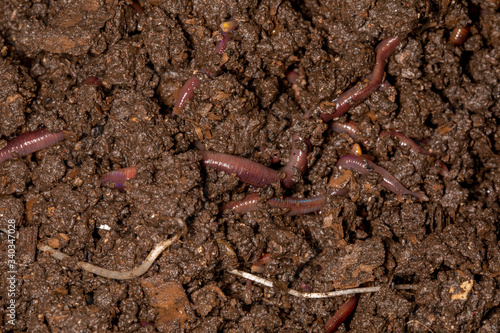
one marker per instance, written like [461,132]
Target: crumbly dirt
[109,74]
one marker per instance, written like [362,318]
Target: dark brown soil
[442,94]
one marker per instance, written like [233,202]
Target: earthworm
[364,167]
[29,142]
[406,140]
[93,80]
[227,27]
[258,267]
[248,171]
[349,127]
[298,206]
[186,93]
[118,177]
[136,6]
[365,87]
[295,206]
[248,204]
[328,294]
[297,161]
[157,250]
[444,169]
[342,313]
[459,35]
[292,77]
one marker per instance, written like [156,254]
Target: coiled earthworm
[186,93]
[459,35]
[118,177]
[297,161]
[143,268]
[294,206]
[365,87]
[248,171]
[349,127]
[29,142]
[227,27]
[406,140]
[342,313]
[364,167]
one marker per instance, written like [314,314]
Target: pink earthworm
[93,80]
[298,206]
[363,89]
[227,27]
[186,93]
[364,167]
[135,5]
[29,142]
[264,259]
[407,141]
[248,171]
[292,77]
[295,206]
[349,127]
[118,177]
[342,313]
[297,161]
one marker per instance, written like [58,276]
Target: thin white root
[297,293]
[143,268]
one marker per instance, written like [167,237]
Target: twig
[157,250]
[293,292]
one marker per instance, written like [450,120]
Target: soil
[108,73]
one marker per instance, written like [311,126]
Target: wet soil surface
[109,73]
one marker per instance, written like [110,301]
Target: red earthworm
[258,267]
[298,206]
[406,140]
[297,161]
[365,87]
[29,142]
[349,127]
[222,44]
[459,35]
[135,5]
[444,169]
[227,27]
[186,93]
[248,204]
[292,77]
[118,177]
[295,206]
[364,167]
[93,80]
[342,313]
[248,171]
[341,192]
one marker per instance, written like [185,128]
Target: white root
[143,268]
[297,293]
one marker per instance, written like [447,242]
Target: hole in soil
[89,298]
[95,234]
